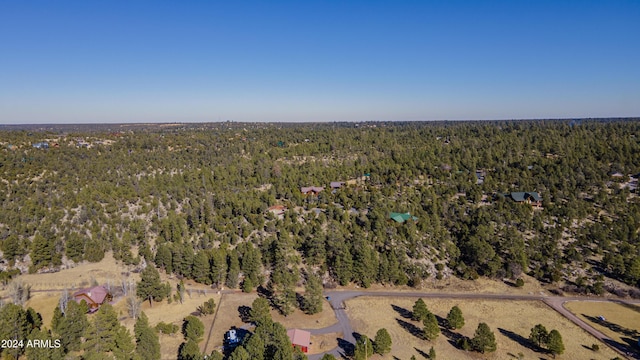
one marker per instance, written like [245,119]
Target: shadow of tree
[347,347]
[402,311]
[612,326]
[412,329]
[245,313]
[521,340]
[422,353]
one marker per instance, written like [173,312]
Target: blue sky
[179,61]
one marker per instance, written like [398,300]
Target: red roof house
[311,190]
[300,338]
[94,297]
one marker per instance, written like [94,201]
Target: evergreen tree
[43,353]
[234,270]
[150,287]
[539,335]
[101,333]
[455,320]
[240,353]
[73,325]
[364,348]
[313,294]
[147,341]
[14,326]
[382,342]
[124,347]
[218,266]
[484,340]
[192,328]
[554,343]
[420,311]
[260,311]
[431,328]
[432,353]
[189,350]
[255,346]
[201,268]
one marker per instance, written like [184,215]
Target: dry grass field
[621,321]
[452,284]
[107,270]
[511,322]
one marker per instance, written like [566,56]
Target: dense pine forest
[222,203]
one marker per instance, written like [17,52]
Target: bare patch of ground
[324,342]
[511,322]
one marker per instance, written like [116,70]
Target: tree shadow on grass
[245,313]
[347,347]
[453,337]
[521,340]
[612,326]
[402,311]
[412,329]
[422,353]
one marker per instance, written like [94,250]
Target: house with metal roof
[531,197]
[300,339]
[401,217]
[94,297]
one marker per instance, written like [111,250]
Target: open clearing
[511,322]
[621,321]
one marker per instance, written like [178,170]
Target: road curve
[338,298]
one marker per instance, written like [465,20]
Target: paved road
[343,325]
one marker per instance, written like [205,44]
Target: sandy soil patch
[511,322]
[324,342]
[621,321]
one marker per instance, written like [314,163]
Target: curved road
[338,298]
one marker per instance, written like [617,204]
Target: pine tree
[189,350]
[150,287]
[455,320]
[100,335]
[192,328]
[539,335]
[484,340]
[147,341]
[260,311]
[73,325]
[255,347]
[14,326]
[234,270]
[554,343]
[201,268]
[382,342]
[313,294]
[432,354]
[124,347]
[431,328]
[420,311]
[364,348]
[240,353]
[43,353]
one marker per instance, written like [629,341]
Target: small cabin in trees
[94,297]
[41,145]
[311,190]
[401,217]
[532,198]
[277,210]
[300,339]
